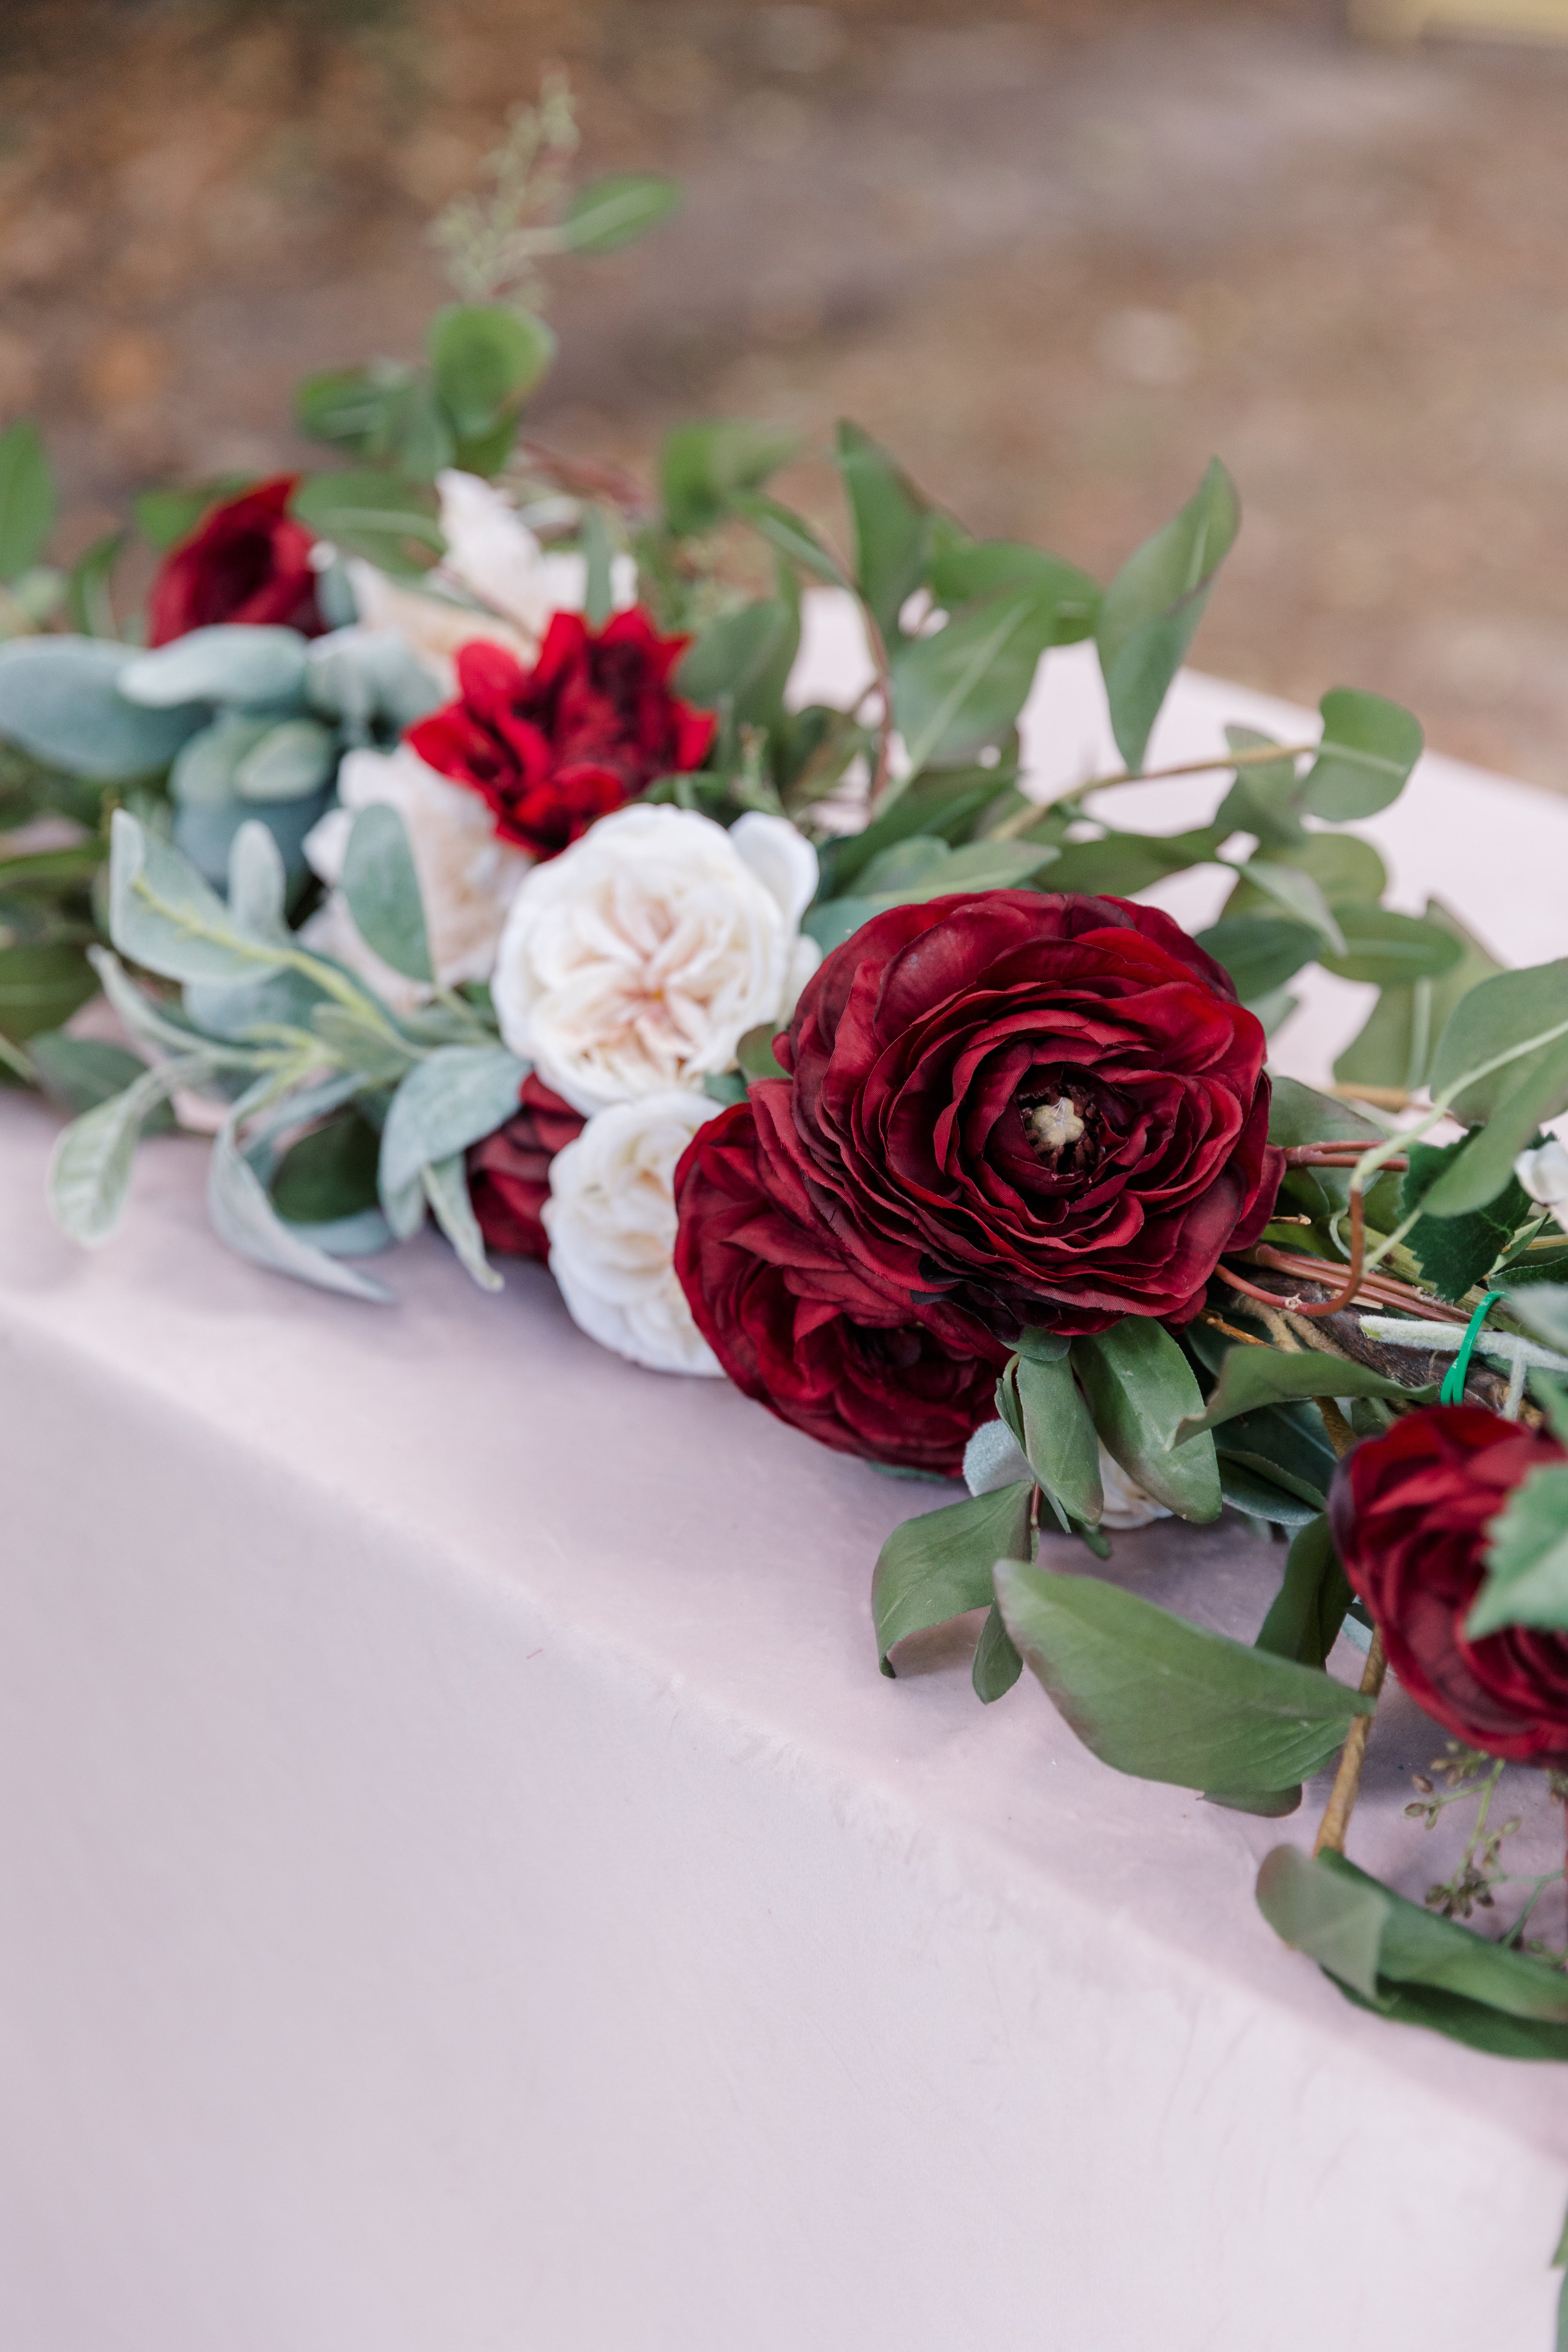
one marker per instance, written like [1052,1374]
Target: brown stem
[1331,1829]
[1342,1436]
[1379,1288]
[1264,756]
[1386,1097]
[1335,1155]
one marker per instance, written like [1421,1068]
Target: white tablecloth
[466,1888]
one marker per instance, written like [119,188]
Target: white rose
[611,1221]
[491,557]
[1543,1174]
[468,878]
[638,959]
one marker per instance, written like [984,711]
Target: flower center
[1058,1119]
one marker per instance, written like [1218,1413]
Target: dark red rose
[1410,1514]
[585,730]
[1022,1107]
[796,1326]
[509,1171]
[248,559]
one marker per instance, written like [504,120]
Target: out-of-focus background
[1056,252]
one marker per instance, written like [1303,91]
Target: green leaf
[26,500]
[744,659]
[965,685]
[1397,1047]
[82,1072]
[792,537]
[1058,1434]
[349,407]
[1250,1377]
[893,526]
[1260,952]
[1264,800]
[1290,888]
[997,1665]
[486,359]
[1527,1558]
[448,1101]
[1365,754]
[1299,1114]
[1150,610]
[228,662]
[940,1565]
[377,1056]
[1304,1619]
[599,558]
[755,1053]
[381,884]
[89,1172]
[41,987]
[1492,1019]
[290,763]
[1122,864]
[1483,1167]
[90,586]
[1141,1388]
[1372,1939]
[945,802]
[1150,1695]
[446,1185]
[1453,1253]
[1390,950]
[165,517]
[329,1172]
[380,516]
[163,915]
[242,1215]
[616,211]
[978,865]
[989,567]
[59,699]
[705,468]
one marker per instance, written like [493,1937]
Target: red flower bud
[247,561]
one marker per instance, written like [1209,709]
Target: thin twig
[1331,1837]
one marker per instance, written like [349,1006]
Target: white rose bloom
[638,959]
[1543,1174]
[611,1221]
[493,556]
[468,878]
[1126,1504]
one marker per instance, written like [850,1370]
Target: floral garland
[469,859]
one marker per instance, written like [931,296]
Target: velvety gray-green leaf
[382,885]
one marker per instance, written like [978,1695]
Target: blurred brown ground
[1054,254]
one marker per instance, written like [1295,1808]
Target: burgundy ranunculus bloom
[1026,1108]
[509,1171]
[1409,1514]
[796,1326]
[587,729]
[246,559]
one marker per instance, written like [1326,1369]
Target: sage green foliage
[1139,1388]
[1456,1253]
[388,520]
[940,1565]
[329,1172]
[1250,1377]
[1527,1558]
[705,467]
[1306,1614]
[1149,612]
[1403,1030]
[1392,1956]
[382,888]
[1367,750]
[893,526]
[1154,1696]
[26,500]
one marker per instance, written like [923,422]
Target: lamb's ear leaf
[382,887]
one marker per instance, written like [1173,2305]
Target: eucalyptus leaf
[1365,754]
[1290,888]
[486,359]
[90,1171]
[1483,1167]
[1260,952]
[940,1565]
[893,526]
[290,761]
[1397,1047]
[1390,950]
[1122,864]
[203,770]
[1141,1388]
[706,467]
[329,1174]
[960,574]
[1493,1020]
[382,885]
[230,661]
[381,516]
[965,685]
[1150,611]
[59,699]
[744,659]
[1150,1695]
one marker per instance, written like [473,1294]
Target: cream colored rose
[1543,1174]
[500,583]
[611,1221]
[638,959]
[468,878]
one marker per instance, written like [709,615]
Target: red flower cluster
[247,561]
[1003,1111]
[587,729]
[800,1330]
[1410,1514]
[509,1171]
